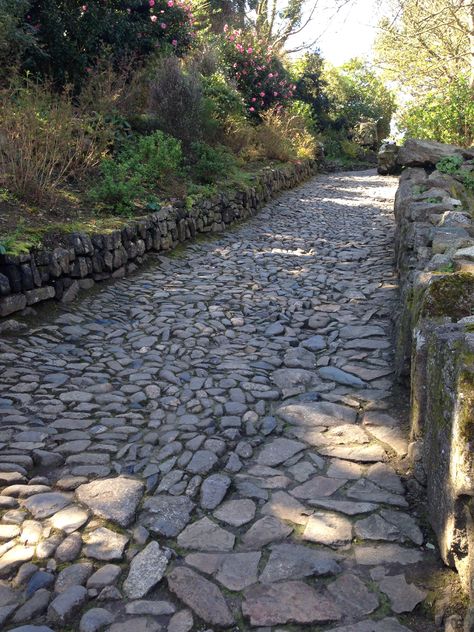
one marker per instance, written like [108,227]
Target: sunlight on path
[214,442]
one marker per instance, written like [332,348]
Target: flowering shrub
[258,72]
[72,34]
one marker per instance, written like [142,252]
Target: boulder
[387,159]
[426,153]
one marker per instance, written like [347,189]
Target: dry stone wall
[435,344]
[61,273]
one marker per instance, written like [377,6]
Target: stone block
[40,294]
[12,303]
[448,437]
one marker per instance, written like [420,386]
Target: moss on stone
[439,383]
[450,296]
[466,387]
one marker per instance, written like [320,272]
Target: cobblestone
[224,428]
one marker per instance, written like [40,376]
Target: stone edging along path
[61,273]
[218,442]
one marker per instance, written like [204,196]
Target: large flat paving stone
[114,499]
[278,451]
[288,602]
[295,561]
[147,569]
[202,596]
[206,535]
[317,414]
[167,515]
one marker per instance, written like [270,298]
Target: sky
[344,34]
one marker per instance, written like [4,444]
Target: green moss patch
[449,296]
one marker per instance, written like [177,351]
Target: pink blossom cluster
[159,15]
[259,74]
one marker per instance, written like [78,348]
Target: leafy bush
[133,29]
[305,112]
[211,163]
[450,164]
[350,149]
[45,140]
[259,74]
[15,36]
[142,165]
[337,145]
[118,189]
[225,100]
[176,100]
[445,115]
[310,89]
[453,165]
[356,93]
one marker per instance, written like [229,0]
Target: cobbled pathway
[215,442]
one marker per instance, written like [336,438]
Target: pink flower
[270,76]
[174,42]
[249,50]
[262,94]
[153,18]
[252,109]
[163,25]
[254,99]
[170,3]
[151,3]
[84,7]
[226,28]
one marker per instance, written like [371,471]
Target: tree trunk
[471,35]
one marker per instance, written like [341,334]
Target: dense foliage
[69,36]
[357,93]
[445,115]
[425,49]
[425,43]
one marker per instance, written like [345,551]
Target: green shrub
[305,112]
[453,165]
[350,149]
[141,166]
[284,136]
[450,164]
[445,115]
[15,36]
[210,163]
[468,180]
[225,100]
[118,188]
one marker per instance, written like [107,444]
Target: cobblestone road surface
[213,443]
